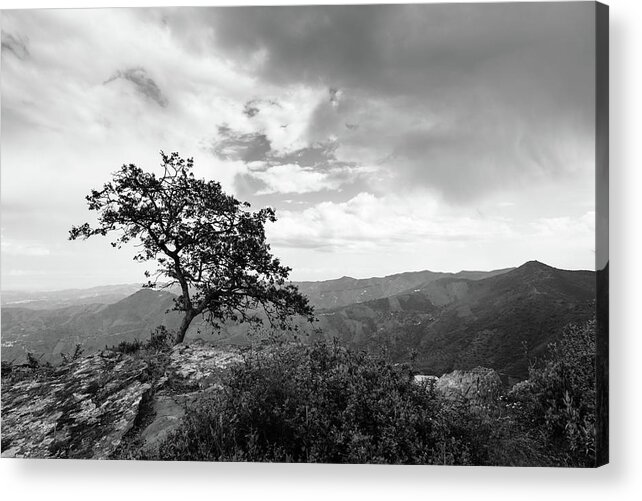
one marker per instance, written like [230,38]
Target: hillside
[94,326]
[453,323]
[53,322]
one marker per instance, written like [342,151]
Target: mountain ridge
[449,320]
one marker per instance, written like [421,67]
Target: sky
[387,138]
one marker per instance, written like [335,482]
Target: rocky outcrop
[201,365]
[86,409]
[480,384]
[193,370]
[81,410]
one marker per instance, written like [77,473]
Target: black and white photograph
[346,234]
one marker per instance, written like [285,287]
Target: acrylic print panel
[373,234]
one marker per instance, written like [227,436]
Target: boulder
[479,384]
[81,410]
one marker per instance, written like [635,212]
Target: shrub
[323,403]
[128,347]
[557,402]
[68,358]
[160,340]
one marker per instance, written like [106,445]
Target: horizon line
[63,289]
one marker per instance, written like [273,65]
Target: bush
[323,403]
[160,340]
[77,353]
[557,402]
[128,347]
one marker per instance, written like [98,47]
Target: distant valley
[48,300]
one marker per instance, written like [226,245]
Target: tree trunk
[187,320]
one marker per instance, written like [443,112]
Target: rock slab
[198,366]
[81,411]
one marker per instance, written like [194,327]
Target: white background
[621,479]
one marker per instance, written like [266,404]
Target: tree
[209,243]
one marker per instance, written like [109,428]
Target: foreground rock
[82,410]
[192,371]
[200,365]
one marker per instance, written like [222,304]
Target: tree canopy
[202,239]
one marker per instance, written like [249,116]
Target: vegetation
[202,239]
[318,403]
[557,404]
[70,357]
[160,340]
[325,403]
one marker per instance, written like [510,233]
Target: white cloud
[566,226]
[366,221]
[291,178]
[32,249]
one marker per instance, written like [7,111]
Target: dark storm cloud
[15,45]
[401,48]
[143,83]
[507,89]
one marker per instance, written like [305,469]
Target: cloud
[247,147]
[292,178]
[464,99]
[15,45]
[309,169]
[368,222]
[250,109]
[392,129]
[143,83]
[31,249]
[287,178]
[566,226]
[319,155]
[254,106]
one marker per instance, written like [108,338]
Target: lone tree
[202,239]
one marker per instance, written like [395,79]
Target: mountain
[501,319]
[501,322]
[347,290]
